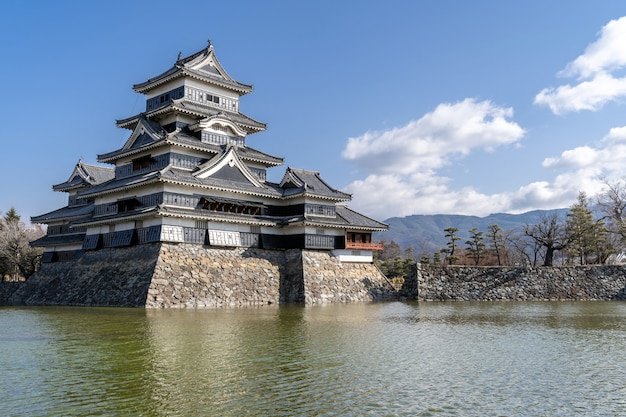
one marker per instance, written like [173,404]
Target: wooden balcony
[364,246]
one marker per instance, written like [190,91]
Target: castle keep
[185,180]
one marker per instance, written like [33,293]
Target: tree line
[18,260]
[591,232]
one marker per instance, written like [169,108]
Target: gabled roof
[145,132]
[85,175]
[228,166]
[298,182]
[203,66]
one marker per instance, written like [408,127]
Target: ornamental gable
[228,166]
[143,134]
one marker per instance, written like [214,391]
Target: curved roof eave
[122,188]
[321,197]
[115,218]
[111,157]
[202,216]
[217,188]
[178,71]
[131,122]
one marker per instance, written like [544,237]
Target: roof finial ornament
[178,58]
[209,43]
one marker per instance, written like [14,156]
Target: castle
[185,176]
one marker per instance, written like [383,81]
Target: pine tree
[496,240]
[450,234]
[581,229]
[475,245]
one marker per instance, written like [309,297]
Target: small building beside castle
[186,176]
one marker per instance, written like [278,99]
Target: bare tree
[521,249]
[19,259]
[612,202]
[549,233]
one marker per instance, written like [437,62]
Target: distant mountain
[425,232]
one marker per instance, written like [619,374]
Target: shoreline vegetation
[18,260]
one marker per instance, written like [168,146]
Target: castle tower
[186,175]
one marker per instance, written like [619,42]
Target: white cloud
[595,70]
[415,186]
[428,143]
[574,158]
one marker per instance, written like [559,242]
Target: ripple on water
[393,359]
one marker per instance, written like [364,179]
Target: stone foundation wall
[108,277]
[189,275]
[164,275]
[329,281]
[466,283]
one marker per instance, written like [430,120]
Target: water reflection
[395,359]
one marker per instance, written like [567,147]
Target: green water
[388,359]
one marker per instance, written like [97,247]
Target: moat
[394,358]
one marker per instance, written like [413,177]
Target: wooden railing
[364,246]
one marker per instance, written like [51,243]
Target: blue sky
[415,107]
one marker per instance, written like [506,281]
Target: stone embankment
[328,280]
[164,275]
[183,275]
[466,283]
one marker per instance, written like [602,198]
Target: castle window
[142,163]
[320,210]
[127,205]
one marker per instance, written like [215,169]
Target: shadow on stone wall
[108,277]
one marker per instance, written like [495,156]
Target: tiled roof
[358,220]
[347,219]
[99,174]
[142,213]
[85,175]
[300,182]
[64,213]
[58,240]
[196,109]
[123,183]
[186,177]
[190,66]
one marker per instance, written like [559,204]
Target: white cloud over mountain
[405,166]
[596,72]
